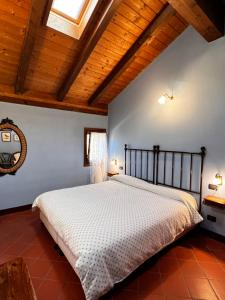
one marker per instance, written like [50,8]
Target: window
[71,16]
[87,139]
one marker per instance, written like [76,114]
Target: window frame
[86,132]
[69,18]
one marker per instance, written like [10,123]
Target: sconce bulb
[114,166]
[218,179]
[162,100]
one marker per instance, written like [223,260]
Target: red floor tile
[191,269]
[72,291]
[150,283]
[174,286]
[204,255]
[62,271]
[4,246]
[125,295]
[50,290]
[212,270]
[36,283]
[49,253]
[40,268]
[168,265]
[219,288]
[32,251]
[200,289]
[184,253]
[17,248]
[6,257]
[29,261]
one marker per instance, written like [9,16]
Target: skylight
[70,8]
[71,16]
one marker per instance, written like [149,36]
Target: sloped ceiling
[41,66]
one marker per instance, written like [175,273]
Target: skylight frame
[69,18]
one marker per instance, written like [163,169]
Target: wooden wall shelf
[112,174]
[214,201]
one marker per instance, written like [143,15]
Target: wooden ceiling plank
[107,52]
[163,38]
[34,22]
[128,13]
[141,8]
[107,43]
[96,68]
[56,37]
[177,24]
[159,21]
[20,4]
[155,5]
[122,33]
[206,16]
[126,24]
[88,43]
[91,73]
[116,39]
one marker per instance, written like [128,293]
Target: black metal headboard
[176,169]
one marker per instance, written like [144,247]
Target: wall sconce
[164,98]
[114,166]
[217,181]
[114,162]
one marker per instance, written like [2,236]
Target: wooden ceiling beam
[101,17]
[37,14]
[45,100]
[160,20]
[206,16]
[47,12]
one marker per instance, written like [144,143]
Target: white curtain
[98,157]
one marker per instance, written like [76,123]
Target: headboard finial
[125,147]
[156,148]
[203,151]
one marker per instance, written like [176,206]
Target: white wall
[55,152]
[195,70]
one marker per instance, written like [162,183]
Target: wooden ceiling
[43,67]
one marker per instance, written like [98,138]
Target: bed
[107,230]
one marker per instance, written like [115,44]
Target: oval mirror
[13,147]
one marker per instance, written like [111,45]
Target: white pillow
[171,193]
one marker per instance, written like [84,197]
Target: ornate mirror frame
[8,124]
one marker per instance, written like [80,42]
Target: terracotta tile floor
[193,268]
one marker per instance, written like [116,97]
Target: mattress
[111,228]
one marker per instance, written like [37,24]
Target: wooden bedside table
[214,201]
[112,174]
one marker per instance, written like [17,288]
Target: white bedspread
[113,227]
